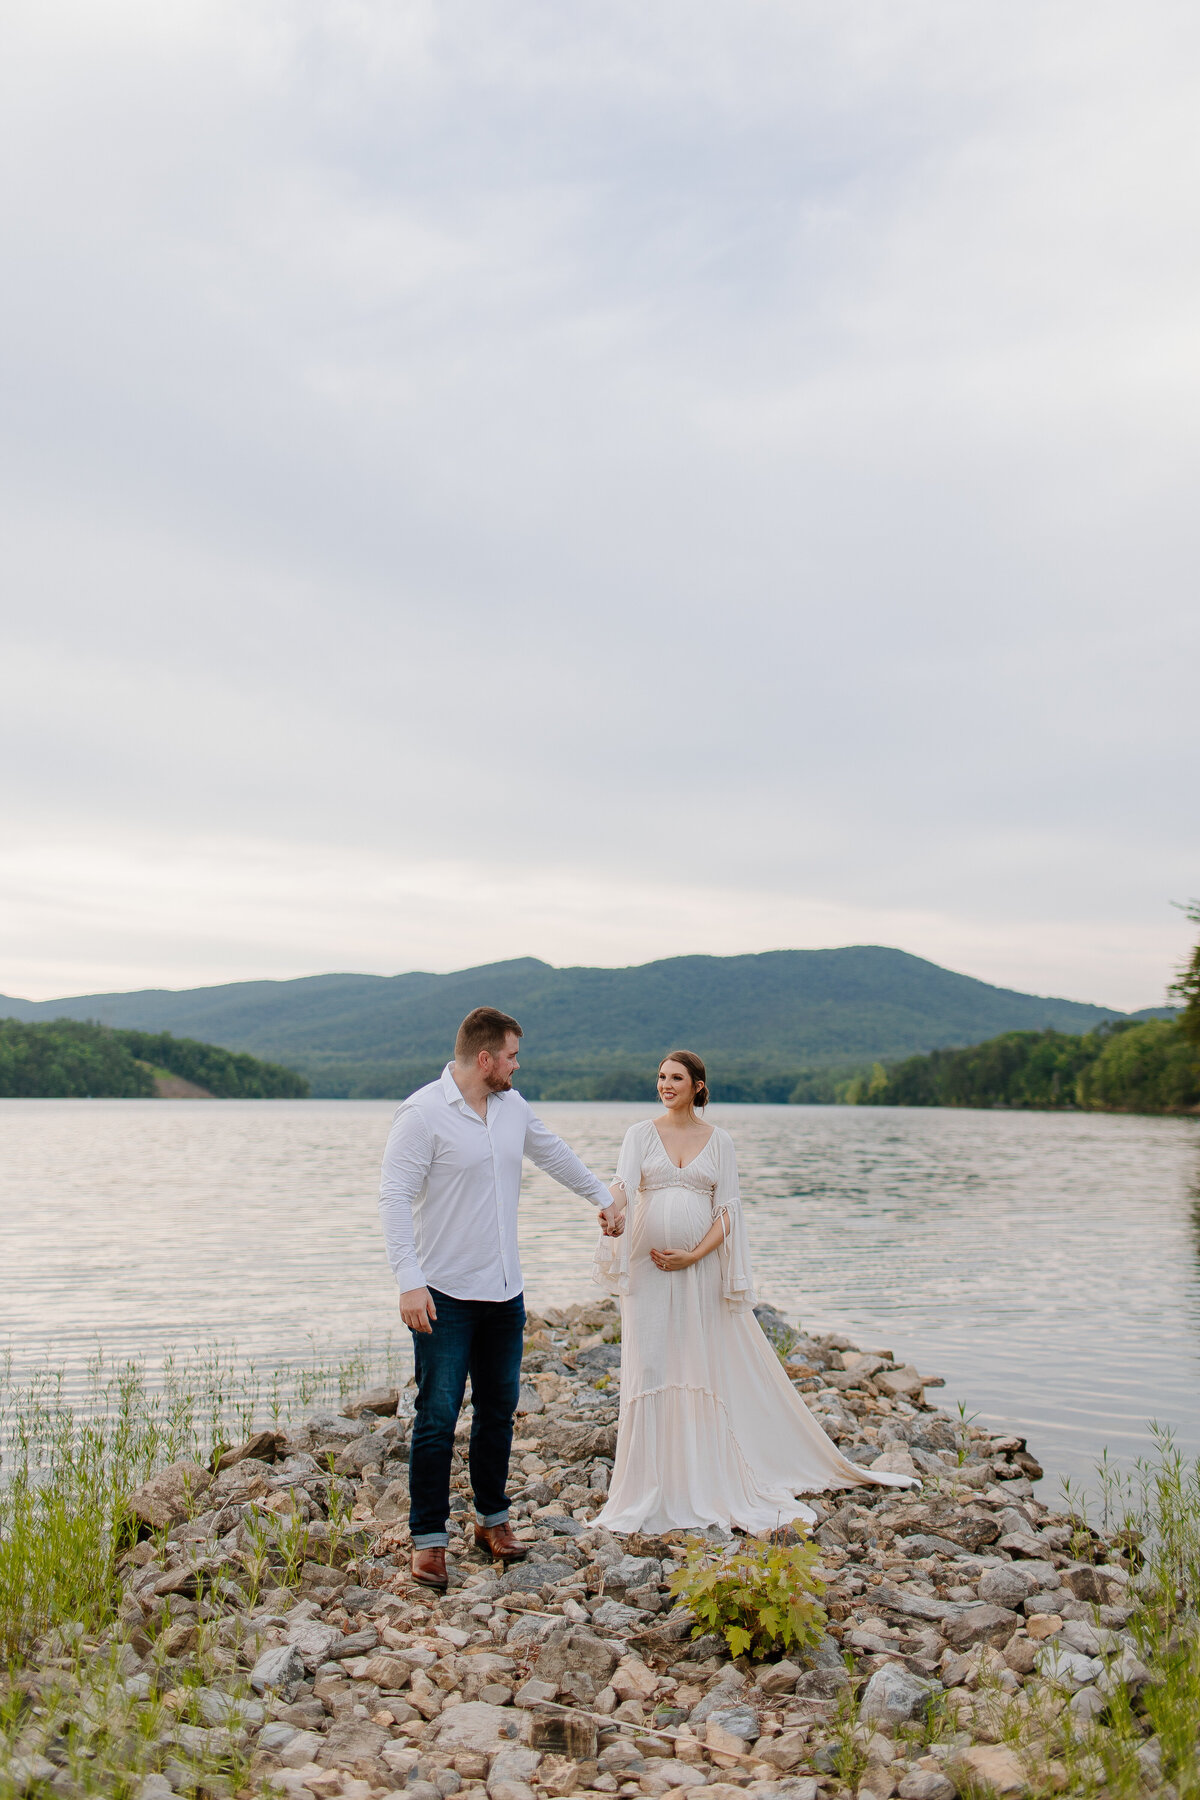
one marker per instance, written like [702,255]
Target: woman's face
[675,1086]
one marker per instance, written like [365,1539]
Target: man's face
[500,1066]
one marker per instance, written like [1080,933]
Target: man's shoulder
[425,1100]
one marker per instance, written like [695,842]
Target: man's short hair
[484,1029]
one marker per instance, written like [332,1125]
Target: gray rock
[1008,1585]
[823,1684]
[381,1402]
[202,1740]
[350,1741]
[154,1787]
[796,1787]
[568,1655]
[314,1641]
[739,1721]
[929,1544]
[277,1669]
[531,1577]
[475,1726]
[276,1736]
[982,1624]
[393,1503]
[29,1772]
[1125,1672]
[512,1764]
[218,1708]
[723,1693]
[1065,1667]
[1046,1602]
[1091,1640]
[356,1643]
[1086,1704]
[169,1495]
[632,1572]
[610,1615]
[301,1750]
[926,1784]
[894,1694]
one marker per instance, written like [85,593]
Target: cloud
[728,463]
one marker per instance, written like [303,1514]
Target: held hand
[612,1219]
[670,1260]
[417,1309]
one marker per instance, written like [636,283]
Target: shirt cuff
[410,1275]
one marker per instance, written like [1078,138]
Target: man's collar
[451,1088]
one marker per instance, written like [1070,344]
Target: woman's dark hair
[695,1068]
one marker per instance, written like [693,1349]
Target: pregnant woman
[711,1429]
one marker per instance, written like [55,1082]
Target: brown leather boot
[429,1566]
[500,1542]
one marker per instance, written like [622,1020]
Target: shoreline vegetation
[71,1059]
[204,1591]
[1128,1065]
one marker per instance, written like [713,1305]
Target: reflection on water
[1047,1266]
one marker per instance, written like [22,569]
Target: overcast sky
[598,481]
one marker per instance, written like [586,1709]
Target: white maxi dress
[711,1430]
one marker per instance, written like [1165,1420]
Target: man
[448,1199]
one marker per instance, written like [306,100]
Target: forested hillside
[786,1024]
[1122,1066]
[68,1059]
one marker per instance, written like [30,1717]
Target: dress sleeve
[610,1265]
[737,1277]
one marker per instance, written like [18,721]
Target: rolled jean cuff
[431,1540]
[500,1518]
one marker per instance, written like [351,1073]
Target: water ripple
[1048,1266]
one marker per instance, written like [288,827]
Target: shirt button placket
[496,1195]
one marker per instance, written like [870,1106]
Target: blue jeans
[483,1339]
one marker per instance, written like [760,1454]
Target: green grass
[71,1460]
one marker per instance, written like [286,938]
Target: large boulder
[170,1495]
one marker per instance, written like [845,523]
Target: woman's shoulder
[639,1133]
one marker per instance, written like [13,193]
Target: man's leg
[442,1357]
[496,1349]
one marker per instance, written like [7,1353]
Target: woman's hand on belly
[671,1260]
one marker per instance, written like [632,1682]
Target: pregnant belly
[674,1219]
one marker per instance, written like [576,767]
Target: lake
[1047,1265]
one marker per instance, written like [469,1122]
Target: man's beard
[497,1085]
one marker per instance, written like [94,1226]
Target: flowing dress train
[711,1430]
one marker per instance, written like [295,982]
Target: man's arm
[560,1161]
[406,1164]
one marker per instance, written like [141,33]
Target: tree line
[68,1059]
[1123,1066]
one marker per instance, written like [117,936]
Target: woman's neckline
[712,1132]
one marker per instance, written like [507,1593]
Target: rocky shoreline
[270,1641]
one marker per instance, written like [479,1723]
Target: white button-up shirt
[450,1186]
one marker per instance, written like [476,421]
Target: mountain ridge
[769,1011]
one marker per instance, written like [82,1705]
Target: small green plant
[762,1597]
[962,1432]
